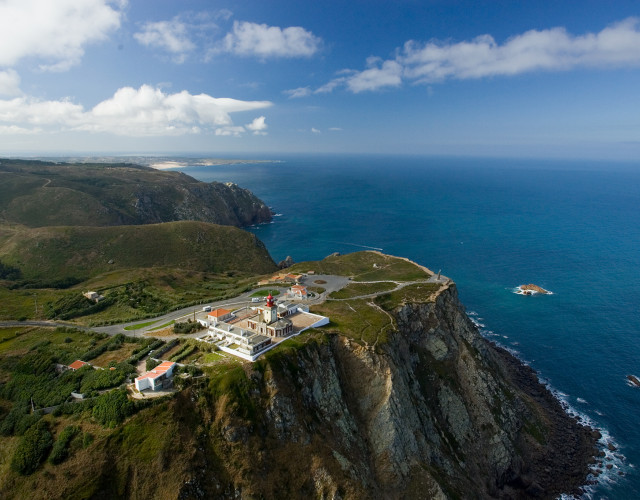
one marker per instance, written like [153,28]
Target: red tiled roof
[299,288]
[161,369]
[219,312]
[77,364]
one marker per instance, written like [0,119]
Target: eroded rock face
[437,412]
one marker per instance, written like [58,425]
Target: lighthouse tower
[269,311]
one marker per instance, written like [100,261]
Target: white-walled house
[154,379]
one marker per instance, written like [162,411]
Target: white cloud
[336,129]
[172,36]
[388,74]
[146,111]
[53,32]
[315,130]
[258,126]
[251,39]
[299,92]
[9,83]
[235,131]
[554,49]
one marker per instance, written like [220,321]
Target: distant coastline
[157,162]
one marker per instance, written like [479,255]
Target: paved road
[330,283]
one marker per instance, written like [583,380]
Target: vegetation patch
[357,319]
[365,266]
[188,326]
[359,289]
[139,326]
[422,292]
[264,292]
[32,449]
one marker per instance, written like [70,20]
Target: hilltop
[79,253]
[38,193]
[399,396]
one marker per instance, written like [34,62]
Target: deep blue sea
[572,227]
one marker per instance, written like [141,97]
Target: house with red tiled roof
[155,379]
[218,315]
[298,291]
[77,364]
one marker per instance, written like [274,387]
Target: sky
[433,77]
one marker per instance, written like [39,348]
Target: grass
[139,326]
[210,358]
[357,319]
[117,356]
[78,252]
[30,336]
[365,266]
[264,292]
[423,292]
[162,326]
[358,289]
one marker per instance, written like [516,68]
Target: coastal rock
[288,262]
[531,288]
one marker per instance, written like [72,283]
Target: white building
[155,379]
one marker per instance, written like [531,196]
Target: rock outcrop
[436,412]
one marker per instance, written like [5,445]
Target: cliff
[436,412]
[40,194]
[405,400]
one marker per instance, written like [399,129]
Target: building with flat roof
[156,379]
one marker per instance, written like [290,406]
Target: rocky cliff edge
[435,412]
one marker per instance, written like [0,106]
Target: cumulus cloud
[251,39]
[9,83]
[146,111]
[258,126]
[55,33]
[171,36]
[315,130]
[553,49]
[379,74]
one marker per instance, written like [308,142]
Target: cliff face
[437,412]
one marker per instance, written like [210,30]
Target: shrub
[186,327]
[151,364]
[112,408]
[87,439]
[60,449]
[32,449]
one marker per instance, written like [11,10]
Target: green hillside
[57,253]
[36,194]
[142,271]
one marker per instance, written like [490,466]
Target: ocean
[572,227]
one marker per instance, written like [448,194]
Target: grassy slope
[40,194]
[84,252]
[366,266]
[154,268]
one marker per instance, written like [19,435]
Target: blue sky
[496,78]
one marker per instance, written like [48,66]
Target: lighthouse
[269,311]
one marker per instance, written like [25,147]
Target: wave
[611,465]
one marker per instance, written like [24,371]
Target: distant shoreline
[156,162]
